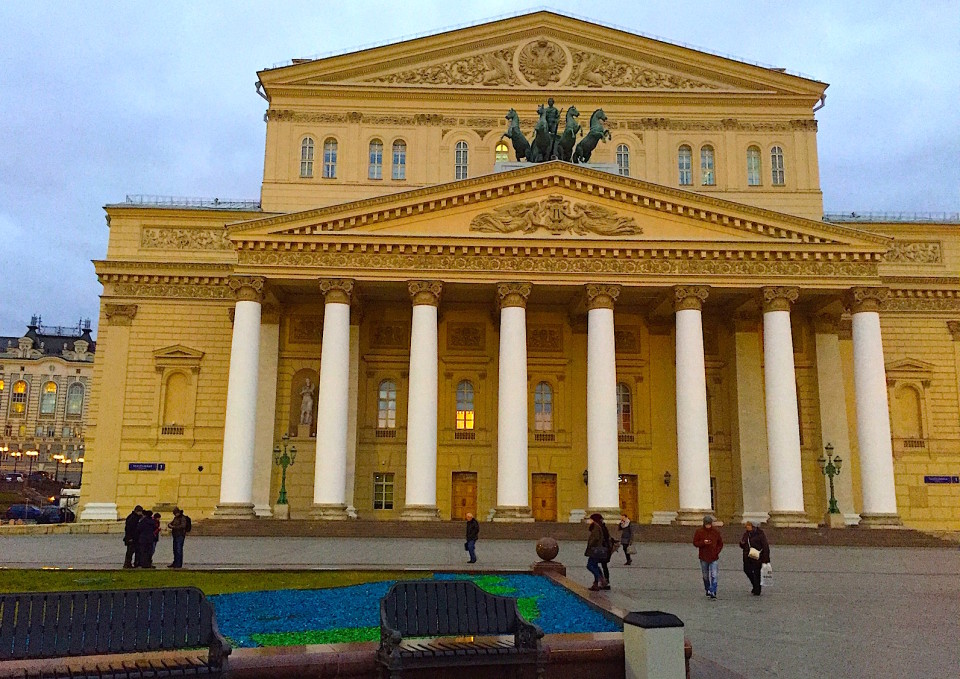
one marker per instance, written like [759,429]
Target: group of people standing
[601,547]
[141,534]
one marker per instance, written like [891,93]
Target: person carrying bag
[756,555]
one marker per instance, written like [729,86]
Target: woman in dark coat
[598,552]
[754,538]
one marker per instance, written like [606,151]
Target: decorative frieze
[247,288]
[171,290]
[557,215]
[490,68]
[425,292]
[389,335]
[184,239]
[120,314]
[915,252]
[690,297]
[601,296]
[627,340]
[513,294]
[466,337]
[547,338]
[923,300]
[541,62]
[778,297]
[305,330]
[595,70]
[336,290]
[865,299]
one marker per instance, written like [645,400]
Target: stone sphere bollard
[547,548]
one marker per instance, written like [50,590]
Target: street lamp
[830,466]
[284,459]
[80,462]
[66,468]
[4,449]
[32,454]
[59,457]
[16,455]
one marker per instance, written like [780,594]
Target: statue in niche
[306,403]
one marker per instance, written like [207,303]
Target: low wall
[85,528]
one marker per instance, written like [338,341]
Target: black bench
[453,608]
[63,625]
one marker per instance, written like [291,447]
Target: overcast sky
[100,100]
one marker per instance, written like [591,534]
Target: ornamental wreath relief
[557,215]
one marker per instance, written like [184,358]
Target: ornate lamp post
[80,462]
[16,455]
[830,466]
[284,458]
[66,468]
[4,449]
[56,474]
[32,454]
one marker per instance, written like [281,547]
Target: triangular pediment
[539,51]
[909,367]
[178,352]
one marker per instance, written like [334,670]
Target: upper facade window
[503,153]
[461,160]
[623,160]
[753,166]
[684,165]
[387,405]
[465,412]
[376,160]
[708,175]
[75,400]
[330,158]
[399,159]
[18,399]
[543,407]
[48,399]
[776,166]
[624,408]
[306,157]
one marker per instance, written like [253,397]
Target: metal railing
[183,201]
[905,217]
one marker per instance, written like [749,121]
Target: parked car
[23,512]
[13,477]
[56,514]
[40,477]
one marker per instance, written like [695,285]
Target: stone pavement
[834,611]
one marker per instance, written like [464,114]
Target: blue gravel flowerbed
[352,613]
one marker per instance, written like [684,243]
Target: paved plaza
[834,611]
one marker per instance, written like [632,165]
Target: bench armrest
[527,635]
[389,638]
[219,647]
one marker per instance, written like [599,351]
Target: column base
[756,518]
[610,514]
[234,510]
[834,521]
[577,515]
[692,517]
[99,511]
[329,512]
[791,520]
[263,511]
[664,518]
[880,520]
[852,519]
[420,513]
[511,514]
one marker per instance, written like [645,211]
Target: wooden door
[544,497]
[464,495]
[628,496]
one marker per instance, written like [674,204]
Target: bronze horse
[520,144]
[571,129]
[597,132]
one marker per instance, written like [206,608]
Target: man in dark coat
[473,532]
[145,534]
[754,539]
[130,535]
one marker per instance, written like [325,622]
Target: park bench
[432,609]
[117,626]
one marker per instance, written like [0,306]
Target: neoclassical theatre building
[672,328]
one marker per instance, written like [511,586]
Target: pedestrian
[130,535]
[145,532]
[178,529]
[473,532]
[709,541]
[626,538]
[598,552]
[756,552]
[156,536]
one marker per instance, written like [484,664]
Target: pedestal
[875,520]
[549,567]
[420,513]
[234,510]
[834,521]
[691,517]
[281,511]
[653,646]
[611,515]
[790,520]
[303,431]
[99,511]
[513,515]
[329,512]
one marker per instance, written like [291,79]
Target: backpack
[189,523]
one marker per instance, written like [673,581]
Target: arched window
[503,153]
[543,407]
[18,399]
[75,400]
[376,160]
[306,157]
[465,415]
[753,166]
[387,405]
[175,400]
[708,175]
[684,165]
[623,160]
[330,158]
[624,408]
[461,160]
[48,399]
[399,159]
[909,413]
[776,166]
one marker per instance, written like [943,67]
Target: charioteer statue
[548,143]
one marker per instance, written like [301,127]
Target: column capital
[513,294]
[336,290]
[425,292]
[120,314]
[690,297]
[247,288]
[778,297]
[865,299]
[602,295]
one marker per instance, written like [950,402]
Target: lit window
[707,174]
[383,491]
[2,385]
[376,160]
[399,159]
[306,157]
[623,160]
[624,408]
[330,159]
[387,405]
[75,400]
[684,164]
[48,399]
[465,405]
[543,407]
[503,152]
[776,166]
[753,166]
[461,160]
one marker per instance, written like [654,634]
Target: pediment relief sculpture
[557,215]
[595,70]
[490,68]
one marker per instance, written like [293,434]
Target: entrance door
[544,497]
[628,496]
[464,495]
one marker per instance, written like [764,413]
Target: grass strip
[326,636]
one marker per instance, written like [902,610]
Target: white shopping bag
[766,575]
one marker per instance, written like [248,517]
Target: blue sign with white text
[147,466]
[941,479]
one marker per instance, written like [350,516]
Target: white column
[421,498]
[693,436]
[513,503]
[330,480]
[783,421]
[873,414]
[240,422]
[603,459]
[266,413]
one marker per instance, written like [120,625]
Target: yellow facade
[161,375]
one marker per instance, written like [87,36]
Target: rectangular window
[376,160]
[383,491]
[776,166]
[684,163]
[708,178]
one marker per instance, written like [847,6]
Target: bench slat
[168,628]
[34,627]
[8,613]
[201,622]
